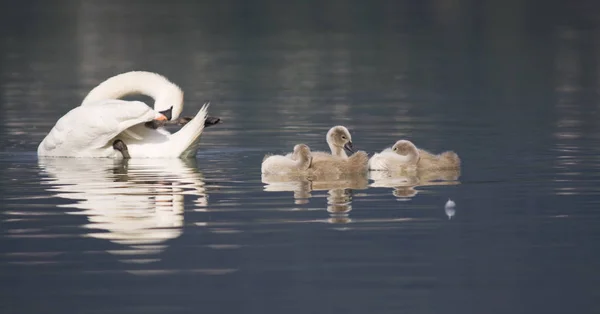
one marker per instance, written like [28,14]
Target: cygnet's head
[302,155]
[339,137]
[406,148]
[301,150]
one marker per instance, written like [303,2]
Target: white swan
[94,128]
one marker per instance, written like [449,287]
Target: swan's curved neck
[165,93]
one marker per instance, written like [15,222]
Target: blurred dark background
[500,62]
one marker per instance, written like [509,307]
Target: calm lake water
[512,88]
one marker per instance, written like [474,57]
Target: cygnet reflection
[404,184]
[339,205]
[339,189]
[135,203]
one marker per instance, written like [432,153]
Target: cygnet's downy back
[300,160]
[447,160]
[357,163]
[402,156]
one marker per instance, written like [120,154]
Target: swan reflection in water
[404,184]
[136,203]
[339,190]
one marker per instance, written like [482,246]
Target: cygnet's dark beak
[349,147]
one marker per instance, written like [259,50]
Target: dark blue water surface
[511,86]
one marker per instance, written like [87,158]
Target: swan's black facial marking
[120,146]
[168,113]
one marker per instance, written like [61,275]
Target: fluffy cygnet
[403,156]
[339,141]
[297,161]
[447,160]
[337,162]
[357,163]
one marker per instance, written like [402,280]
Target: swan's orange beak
[162,117]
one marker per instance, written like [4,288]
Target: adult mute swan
[105,126]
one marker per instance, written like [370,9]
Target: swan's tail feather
[185,141]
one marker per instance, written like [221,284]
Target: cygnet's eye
[343,137]
[395,148]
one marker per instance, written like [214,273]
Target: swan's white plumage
[165,93]
[87,131]
[90,129]
[160,143]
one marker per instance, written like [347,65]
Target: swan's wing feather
[113,117]
[93,126]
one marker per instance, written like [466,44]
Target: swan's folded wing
[115,116]
[93,126]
